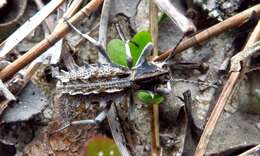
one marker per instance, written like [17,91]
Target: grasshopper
[111,80]
[92,80]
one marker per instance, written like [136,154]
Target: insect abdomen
[96,87]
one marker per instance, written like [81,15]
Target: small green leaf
[116,52]
[149,97]
[116,48]
[100,145]
[138,43]
[162,17]
[258,96]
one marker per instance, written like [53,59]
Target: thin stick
[154,26]
[28,27]
[185,24]
[104,23]
[66,12]
[27,76]
[2,3]
[250,151]
[34,67]
[88,33]
[225,95]
[41,47]
[49,21]
[155,108]
[155,130]
[101,43]
[73,8]
[102,40]
[243,55]
[223,26]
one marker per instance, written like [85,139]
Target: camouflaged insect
[108,78]
[105,82]
[93,79]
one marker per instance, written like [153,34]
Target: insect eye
[94,103]
[165,66]
[166,77]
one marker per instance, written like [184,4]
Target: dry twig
[212,31]
[34,66]
[28,27]
[243,55]
[41,47]
[251,151]
[2,3]
[48,22]
[185,24]
[225,95]
[155,108]
[102,40]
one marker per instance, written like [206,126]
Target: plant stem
[185,24]
[28,27]
[153,11]
[224,97]
[223,26]
[50,40]
[250,151]
[34,67]
[153,24]
[102,39]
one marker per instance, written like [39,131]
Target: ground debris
[29,126]
[125,7]
[31,102]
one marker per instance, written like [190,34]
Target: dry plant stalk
[185,24]
[2,3]
[153,11]
[212,31]
[27,76]
[243,55]
[49,21]
[50,40]
[34,67]
[251,151]
[225,95]
[69,12]
[24,30]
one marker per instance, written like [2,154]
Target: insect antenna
[172,54]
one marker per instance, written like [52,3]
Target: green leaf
[149,97]
[138,43]
[99,144]
[116,48]
[116,52]
[258,96]
[162,17]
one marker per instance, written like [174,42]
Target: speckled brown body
[93,79]
[102,78]
[100,83]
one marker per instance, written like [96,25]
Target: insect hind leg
[101,117]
